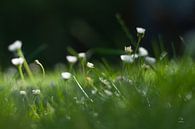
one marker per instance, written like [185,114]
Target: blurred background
[48,27]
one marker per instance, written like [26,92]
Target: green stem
[20,72]
[82,89]
[83,62]
[137,47]
[42,68]
[71,67]
[83,67]
[138,43]
[26,66]
[125,68]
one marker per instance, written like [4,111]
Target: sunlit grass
[140,97]
[138,92]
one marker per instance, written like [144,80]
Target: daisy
[127,58]
[22,92]
[143,52]
[36,92]
[15,46]
[82,55]
[71,59]
[66,75]
[128,49]
[90,65]
[150,60]
[140,30]
[17,61]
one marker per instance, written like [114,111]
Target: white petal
[66,75]
[127,58]
[36,92]
[17,61]
[82,55]
[90,65]
[150,60]
[15,46]
[143,52]
[71,59]
[128,49]
[140,30]
[22,92]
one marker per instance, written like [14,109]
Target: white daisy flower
[140,30]
[15,46]
[128,49]
[22,92]
[66,75]
[71,59]
[127,58]
[36,92]
[17,61]
[150,60]
[90,65]
[82,55]
[143,52]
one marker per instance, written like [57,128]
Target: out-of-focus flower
[140,30]
[71,59]
[22,92]
[108,92]
[89,80]
[188,96]
[145,66]
[15,46]
[143,52]
[123,78]
[105,82]
[94,91]
[66,75]
[17,61]
[82,55]
[90,65]
[36,92]
[127,58]
[128,49]
[150,60]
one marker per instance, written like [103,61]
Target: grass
[126,97]
[141,92]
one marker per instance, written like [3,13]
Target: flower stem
[20,72]
[71,67]
[138,43]
[26,66]
[82,89]
[83,66]
[42,68]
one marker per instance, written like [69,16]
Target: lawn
[140,92]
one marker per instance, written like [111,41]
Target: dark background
[48,27]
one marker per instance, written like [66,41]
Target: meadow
[141,92]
